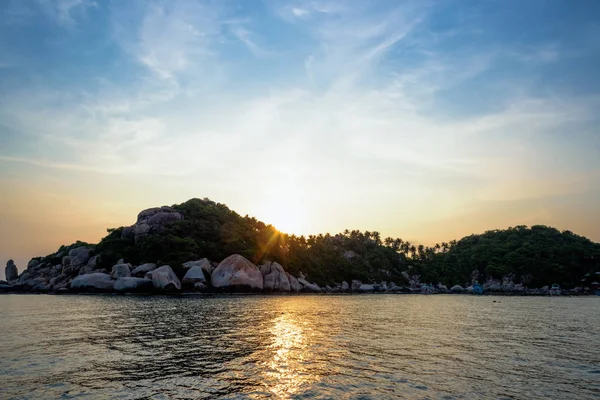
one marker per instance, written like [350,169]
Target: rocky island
[203,247]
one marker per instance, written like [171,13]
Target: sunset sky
[426,120]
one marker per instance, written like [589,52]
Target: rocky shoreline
[78,273]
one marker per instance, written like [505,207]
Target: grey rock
[141,270]
[237,272]
[345,287]
[275,277]
[11,272]
[295,286]
[93,281]
[309,287]
[365,288]
[165,279]
[34,262]
[193,276]
[355,285]
[132,284]
[201,287]
[121,271]
[457,289]
[79,257]
[203,263]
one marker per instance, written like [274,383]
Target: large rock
[11,272]
[236,272]
[309,287]
[165,279]
[365,288]
[345,287]
[79,257]
[151,220]
[34,262]
[132,284]
[95,281]
[193,276]
[274,277]
[457,289]
[204,264]
[90,267]
[121,271]
[295,286]
[355,285]
[141,270]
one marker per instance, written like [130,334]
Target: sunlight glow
[285,209]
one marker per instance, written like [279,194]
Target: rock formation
[194,275]
[121,271]
[295,286]
[97,281]
[11,272]
[150,220]
[133,284]
[165,279]
[203,263]
[141,270]
[236,272]
[275,277]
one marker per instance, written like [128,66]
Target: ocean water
[321,347]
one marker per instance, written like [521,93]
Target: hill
[200,228]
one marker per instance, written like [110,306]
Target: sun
[286,211]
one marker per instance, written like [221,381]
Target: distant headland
[204,247]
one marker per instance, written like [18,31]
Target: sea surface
[315,347]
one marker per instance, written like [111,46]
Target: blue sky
[427,120]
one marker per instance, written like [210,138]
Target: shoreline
[286,294]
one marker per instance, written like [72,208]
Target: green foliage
[538,255]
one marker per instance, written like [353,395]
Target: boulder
[519,288]
[295,286]
[355,285]
[11,272]
[236,272]
[193,276]
[121,271]
[42,287]
[328,289]
[457,289]
[34,262]
[79,257]
[94,281]
[364,288]
[148,275]
[274,277]
[141,270]
[132,284]
[383,287]
[152,219]
[309,287]
[442,288]
[345,286]
[204,264]
[165,279]
[201,287]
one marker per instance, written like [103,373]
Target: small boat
[555,290]
[477,289]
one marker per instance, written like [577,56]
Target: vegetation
[535,256]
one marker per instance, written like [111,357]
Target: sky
[425,120]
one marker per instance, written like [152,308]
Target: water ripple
[295,347]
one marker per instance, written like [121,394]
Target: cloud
[63,11]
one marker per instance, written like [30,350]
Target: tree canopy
[537,255]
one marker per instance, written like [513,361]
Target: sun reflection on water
[285,369]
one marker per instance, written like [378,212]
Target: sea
[384,346]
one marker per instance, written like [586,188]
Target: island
[201,246]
